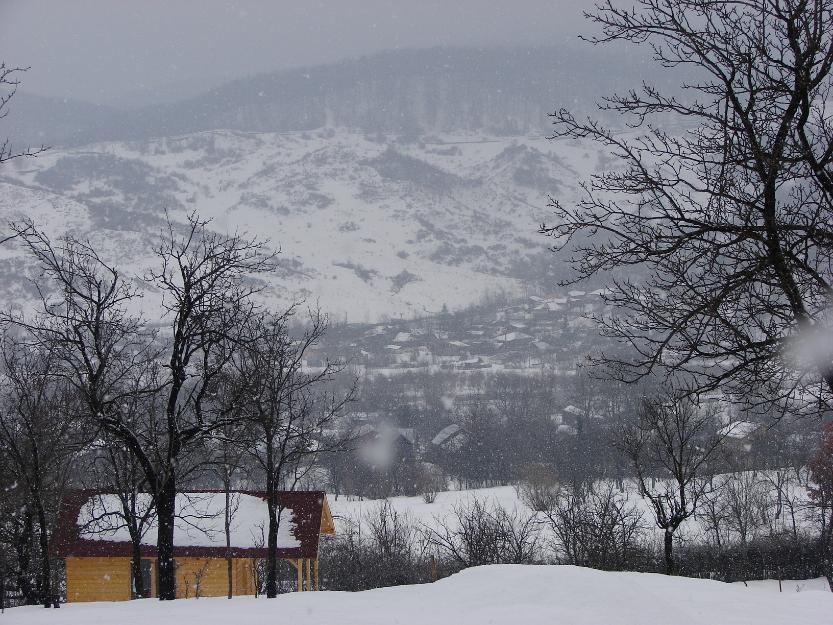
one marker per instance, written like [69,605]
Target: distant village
[503,376]
[535,333]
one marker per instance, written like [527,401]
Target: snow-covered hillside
[442,510]
[506,594]
[369,225]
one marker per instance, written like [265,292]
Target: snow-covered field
[506,594]
[346,509]
[352,508]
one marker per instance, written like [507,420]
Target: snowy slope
[368,225]
[346,509]
[506,594]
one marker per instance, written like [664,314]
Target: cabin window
[145,566]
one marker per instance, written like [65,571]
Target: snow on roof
[364,429]
[402,337]
[446,433]
[90,524]
[511,336]
[576,293]
[458,343]
[199,521]
[385,431]
[739,429]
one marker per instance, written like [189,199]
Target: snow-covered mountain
[368,224]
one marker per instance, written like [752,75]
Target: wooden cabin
[95,545]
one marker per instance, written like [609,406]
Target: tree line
[94,394]
[745,523]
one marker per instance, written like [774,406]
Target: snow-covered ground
[346,509]
[352,508]
[506,594]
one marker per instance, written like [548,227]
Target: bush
[598,528]
[537,486]
[487,534]
[384,548]
[430,482]
[772,557]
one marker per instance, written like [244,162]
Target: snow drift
[507,594]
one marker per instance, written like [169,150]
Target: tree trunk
[165,514]
[228,539]
[272,507]
[139,590]
[23,540]
[669,552]
[272,548]
[45,567]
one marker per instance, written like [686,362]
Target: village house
[96,548]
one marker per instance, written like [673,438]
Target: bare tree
[116,473]
[669,448]
[110,356]
[596,527]
[788,497]
[17,536]
[730,213]
[747,504]
[713,513]
[226,452]
[289,408]
[384,547]
[480,533]
[396,541]
[9,82]
[821,495]
[98,346]
[207,297]
[102,350]
[41,436]
[117,476]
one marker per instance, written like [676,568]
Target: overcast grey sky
[109,51]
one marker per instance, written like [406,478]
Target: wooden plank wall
[98,579]
[108,579]
[210,574]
